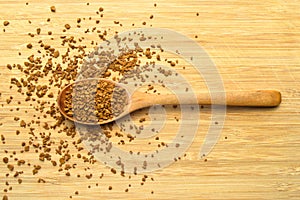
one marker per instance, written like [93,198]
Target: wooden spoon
[138,100]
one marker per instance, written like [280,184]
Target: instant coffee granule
[53,9]
[6,23]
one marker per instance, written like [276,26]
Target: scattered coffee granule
[29,46]
[53,9]
[50,95]
[151,17]
[101,9]
[5,197]
[40,180]
[6,23]
[110,187]
[22,123]
[5,160]
[8,101]
[21,162]
[142,119]
[89,176]
[113,171]
[9,66]
[38,31]
[10,167]
[56,54]
[67,26]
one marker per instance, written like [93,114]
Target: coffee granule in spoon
[95,101]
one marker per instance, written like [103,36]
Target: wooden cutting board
[254,44]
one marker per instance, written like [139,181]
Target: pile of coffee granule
[95,101]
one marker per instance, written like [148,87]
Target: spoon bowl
[62,97]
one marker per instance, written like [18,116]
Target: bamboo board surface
[254,44]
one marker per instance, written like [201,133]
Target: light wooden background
[254,44]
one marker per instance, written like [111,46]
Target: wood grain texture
[254,44]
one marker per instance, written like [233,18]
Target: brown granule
[53,9]
[29,46]
[113,171]
[56,54]
[21,162]
[50,95]
[101,9]
[158,57]
[40,180]
[89,176]
[110,188]
[142,119]
[5,160]
[5,197]
[22,123]
[9,66]
[6,23]
[67,26]
[10,167]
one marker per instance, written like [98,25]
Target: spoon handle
[256,98]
